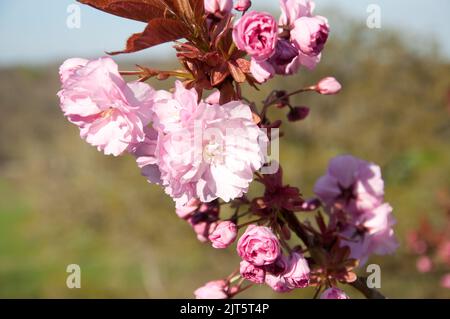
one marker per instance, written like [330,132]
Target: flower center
[213,152]
[107,113]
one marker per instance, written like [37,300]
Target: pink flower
[334,293]
[310,34]
[242,5]
[212,290]
[285,59]
[424,264]
[224,235]
[174,111]
[445,281]
[186,211]
[208,153]
[277,283]
[291,10]
[351,184]
[328,86]
[262,71]
[145,153]
[204,219]
[110,113]
[259,246]
[377,236]
[275,275]
[256,33]
[253,273]
[69,68]
[218,6]
[297,272]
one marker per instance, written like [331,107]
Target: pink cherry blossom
[277,283]
[285,59]
[213,156]
[310,34]
[262,71]
[212,290]
[275,275]
[186,211]
[259,246]
[297,272]
[224,235]
[145,153]
[378,235]
[256,33]
[204,219]
[334,293]
[291,10]
[174,110]
[110,113]
[351,184]
[69,68]
[252,273]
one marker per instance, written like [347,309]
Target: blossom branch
[370,293]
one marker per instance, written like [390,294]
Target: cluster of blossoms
[282,47]
[206,151]
[353,195]
[432,246]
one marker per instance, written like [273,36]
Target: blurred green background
[62,202]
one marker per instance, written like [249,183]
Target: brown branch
[370,293]
[296,227]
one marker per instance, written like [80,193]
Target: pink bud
[328,86]
[189,209]
[242,5]
[310,34]
[334,293]
[218,6]
[224,235]
[252,273]
[297,273]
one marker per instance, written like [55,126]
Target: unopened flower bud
[334,293]
[223,235]
[328,86]
[242,5]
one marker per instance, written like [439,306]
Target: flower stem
[370,293]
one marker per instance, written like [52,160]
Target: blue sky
[35,31]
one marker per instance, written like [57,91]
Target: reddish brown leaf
[158,31]
[244,65]
[236,73]
[219,74]
[140,10]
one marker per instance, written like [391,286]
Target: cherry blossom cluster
[204,143]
